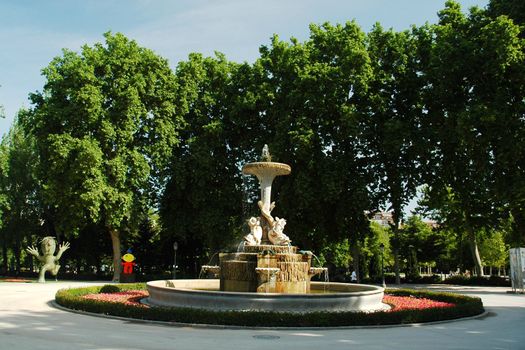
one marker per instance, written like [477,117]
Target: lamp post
[382,247]
[175,247]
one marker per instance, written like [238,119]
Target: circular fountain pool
[324,296]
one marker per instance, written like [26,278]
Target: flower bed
[399,303]
[130,297]
[15,279]
[408,306]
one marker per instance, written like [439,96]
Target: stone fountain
[268,274]
[268,262]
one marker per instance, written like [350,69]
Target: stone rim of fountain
[367,300]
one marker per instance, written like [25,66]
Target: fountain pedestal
[266,269]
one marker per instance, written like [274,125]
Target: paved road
[29,321]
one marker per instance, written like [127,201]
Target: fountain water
[268,274]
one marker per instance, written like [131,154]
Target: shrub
[477,281]
[464,306]
[109,288]
[423,279]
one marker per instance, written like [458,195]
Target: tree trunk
[17,254]
[5,262]
[395,251]
[115,242]
[394,226]
[478,267]
[355,258]
[519,227]
[415,264]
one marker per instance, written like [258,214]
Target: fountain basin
[324,297]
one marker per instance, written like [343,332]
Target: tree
[20,206]
[2,111]
[500,97]
[394,110]
[471,72]
[202,204]
[494,250]
[312,92]
[421,244]
[514,9]
[105,125]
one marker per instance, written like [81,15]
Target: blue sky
[33,32]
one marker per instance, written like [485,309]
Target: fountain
[268,273]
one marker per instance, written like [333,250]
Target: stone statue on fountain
[275,226]
[255,235]
[266,229]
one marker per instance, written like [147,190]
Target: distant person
[353,277]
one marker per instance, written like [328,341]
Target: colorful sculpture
[127,265]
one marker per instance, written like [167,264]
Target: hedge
[465,306]
[478,281]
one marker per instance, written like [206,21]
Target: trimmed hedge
[478,281]
[465,306]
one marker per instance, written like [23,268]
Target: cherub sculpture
[48,259]
[255,235]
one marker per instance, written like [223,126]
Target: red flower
[411,303]
[129,297]
[398,303]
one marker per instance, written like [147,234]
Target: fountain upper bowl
[274,168]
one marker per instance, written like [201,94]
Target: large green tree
[473,115]
[105,124]
[501,98]
[312,93]
[394,110]
[20,205]
[202,203]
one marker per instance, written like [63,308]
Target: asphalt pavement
[30,321]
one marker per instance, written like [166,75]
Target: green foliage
[363,119]
[475,110]
[477,281]
[110,288]
[202,203]
[420,243]
[465,306]
[337,254]
[514,9]
[105,126]
[494,250]
[20,193]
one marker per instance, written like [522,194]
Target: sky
[32,32]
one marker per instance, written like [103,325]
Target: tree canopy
[105,125]
[118,142]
